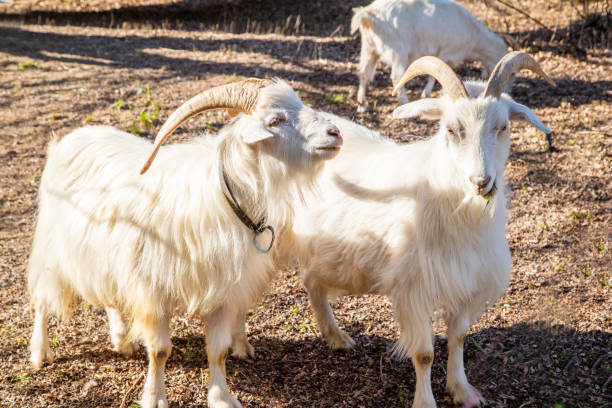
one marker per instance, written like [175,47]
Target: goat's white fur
[397,32]
[141,246]
[408,223]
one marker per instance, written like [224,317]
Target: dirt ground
[546,343]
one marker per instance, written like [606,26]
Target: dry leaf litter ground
[547,342]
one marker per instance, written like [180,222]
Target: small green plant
[558,268]
[88,118]
[143,54]
[573,141]
[588,273]
[334,99]
[605,281]
[601,246]
[54,342]
[22,342]
[147,118]
[308,325]
[118,104]
[27,64]
[19,378]
[578,215]
[134,129]
[294,309]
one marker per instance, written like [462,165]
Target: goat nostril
[333,132]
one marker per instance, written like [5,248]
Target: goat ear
[253,131]
[518,111]
[428,108]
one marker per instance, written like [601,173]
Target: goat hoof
[154,401]
[126,349]
[466,395]
[424,404]
[340,341]
[223,401]
[39,358]
[243,350]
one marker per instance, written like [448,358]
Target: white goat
[422,223]
[399,31]
[140,246]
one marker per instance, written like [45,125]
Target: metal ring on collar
[258,233]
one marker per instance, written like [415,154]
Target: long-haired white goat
[414,221]
[142,245]
[397,32]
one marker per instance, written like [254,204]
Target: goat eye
[456,134]
[275,121]
[503,128]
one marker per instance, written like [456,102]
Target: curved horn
[438,69]
[236,97]
[510,63]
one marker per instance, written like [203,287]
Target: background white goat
[414,222]
[142,245]
[397,32]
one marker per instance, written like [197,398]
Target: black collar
[257,228]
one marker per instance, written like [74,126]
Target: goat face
[475,134]
[477,142]
[293,131]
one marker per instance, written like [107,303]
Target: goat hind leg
[241,348]
[429,87]
[40,352]
[118,332]
[366,69]
[335,337]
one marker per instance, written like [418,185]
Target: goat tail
[53,140]
[361,16]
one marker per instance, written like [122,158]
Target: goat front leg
[456,381]
[335,337]
[156,337]
[118,332]
[416,342]
[241,348]
[218,340]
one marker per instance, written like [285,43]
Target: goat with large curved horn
[438,69]
[509,64]
[236,97]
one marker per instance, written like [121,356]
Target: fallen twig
[518,10]
[134,384]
